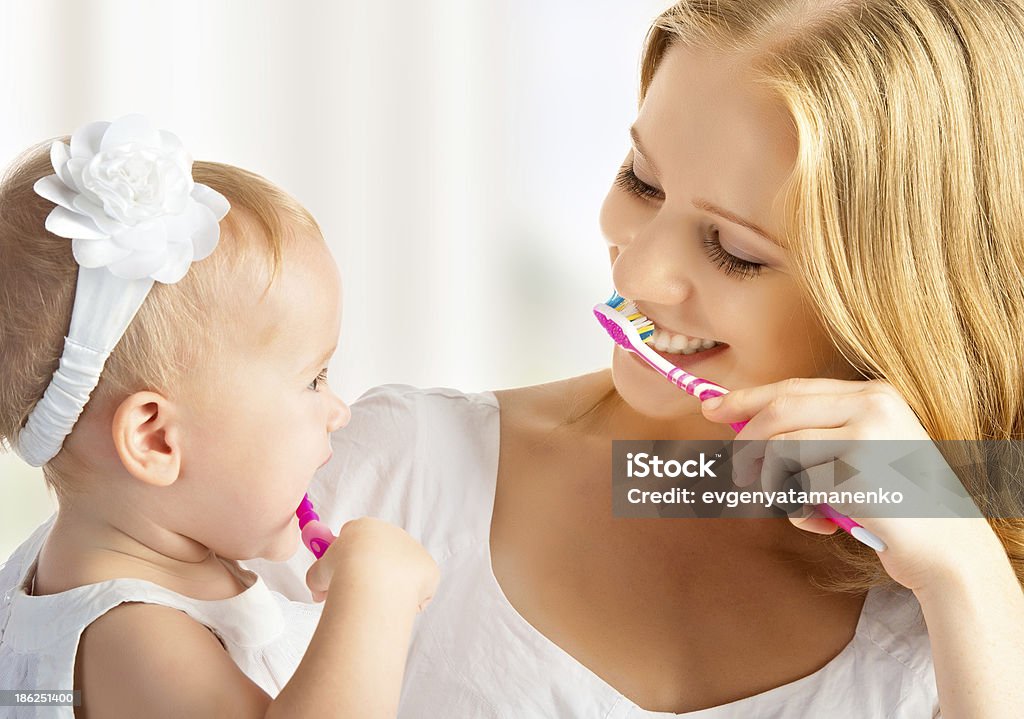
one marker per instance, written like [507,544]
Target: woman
[822,187]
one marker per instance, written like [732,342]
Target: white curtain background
[455,153]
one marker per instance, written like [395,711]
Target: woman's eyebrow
[702,204]
[640,146]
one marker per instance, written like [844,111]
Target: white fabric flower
[126,199]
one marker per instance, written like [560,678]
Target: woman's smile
[684,361]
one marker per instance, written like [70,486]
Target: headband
[126,200]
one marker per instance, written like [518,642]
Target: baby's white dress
[427,459]
[264,633]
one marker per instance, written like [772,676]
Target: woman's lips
[685,361]
[664,327]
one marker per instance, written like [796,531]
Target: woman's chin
[647,392]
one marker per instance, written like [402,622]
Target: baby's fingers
[318,579]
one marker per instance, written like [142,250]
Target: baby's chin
[283,545]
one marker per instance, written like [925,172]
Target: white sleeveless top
[427,460]
[264,633]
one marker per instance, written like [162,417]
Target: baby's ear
[147,438]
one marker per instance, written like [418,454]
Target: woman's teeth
[680,344]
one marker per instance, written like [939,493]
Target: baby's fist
[371,554]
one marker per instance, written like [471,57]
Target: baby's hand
[371,553]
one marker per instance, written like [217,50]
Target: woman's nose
[655,264]
[339,415]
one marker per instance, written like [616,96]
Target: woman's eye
[632,184]
[321,379]
[730,264]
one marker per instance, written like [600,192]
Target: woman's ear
[147,438]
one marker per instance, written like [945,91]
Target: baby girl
[192,313]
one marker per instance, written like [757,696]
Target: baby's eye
[321,379]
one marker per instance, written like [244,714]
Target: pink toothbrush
[631,330]
[315,534]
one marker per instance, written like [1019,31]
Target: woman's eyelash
[629,182]
[320,379]
[730,264]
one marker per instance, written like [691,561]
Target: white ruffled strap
[104,307]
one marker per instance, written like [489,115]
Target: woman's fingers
[795,412]
[814,522]
[787,445]
[742,404]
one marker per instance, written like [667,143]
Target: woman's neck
[601,413]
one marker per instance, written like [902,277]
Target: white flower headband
[126,200]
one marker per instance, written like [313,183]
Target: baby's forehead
[262,265]
[288,304]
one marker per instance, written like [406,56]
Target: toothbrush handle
[316,535]
[857,531]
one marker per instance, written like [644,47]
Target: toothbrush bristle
[637,318]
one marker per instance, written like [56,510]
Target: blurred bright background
[455,153]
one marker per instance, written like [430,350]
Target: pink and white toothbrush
[631,330]
[315,534]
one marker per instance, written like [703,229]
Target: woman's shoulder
[397,392]
[404,405]
[892,625]
[888,664]
[554,404]
[396,426]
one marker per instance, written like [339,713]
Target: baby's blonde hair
[905,210]
[171,334]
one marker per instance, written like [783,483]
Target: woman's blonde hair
[905,208]
[171,334]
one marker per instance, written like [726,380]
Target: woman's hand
[922,553]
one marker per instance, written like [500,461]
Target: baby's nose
[340,414]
